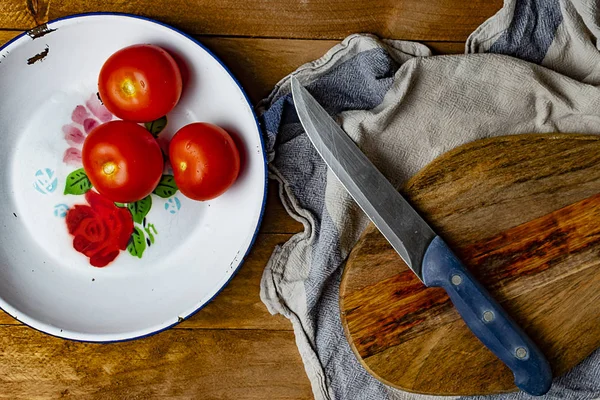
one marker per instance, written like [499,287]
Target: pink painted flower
[89,124]
[84,118]
[98,109]
[72,157]
[79,114]
[73,135]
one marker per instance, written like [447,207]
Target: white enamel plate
[182,252]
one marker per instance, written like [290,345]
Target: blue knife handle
[486,319]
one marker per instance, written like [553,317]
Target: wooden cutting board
[523,213]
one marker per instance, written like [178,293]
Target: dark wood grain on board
[523,213]
[440,20]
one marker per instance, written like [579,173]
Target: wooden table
[233,348]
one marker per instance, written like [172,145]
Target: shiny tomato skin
[205,160]
[140,83]
[122,160]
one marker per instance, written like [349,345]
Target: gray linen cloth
[539,73]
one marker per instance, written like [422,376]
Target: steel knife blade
[425,253]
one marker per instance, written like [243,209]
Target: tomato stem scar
[128,87]
[109,168]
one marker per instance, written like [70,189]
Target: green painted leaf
[122,205]
[155,127]
[77,182]
[140,209]
[149,230]
[166,187]
[137,243]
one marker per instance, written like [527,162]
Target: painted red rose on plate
[100,230]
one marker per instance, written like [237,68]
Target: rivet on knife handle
[486,319]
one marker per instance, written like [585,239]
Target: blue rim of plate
[262,143]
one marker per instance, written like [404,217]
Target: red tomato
[140,83]
[122,160]
[205,160]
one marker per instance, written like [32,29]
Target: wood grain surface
[233,348]
[440,20]
[522,212]
[6,35]
[20,14]
[176,364]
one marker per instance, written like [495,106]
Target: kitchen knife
[421,248]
